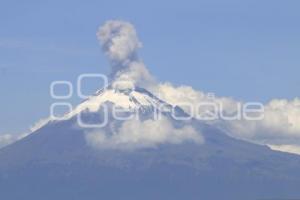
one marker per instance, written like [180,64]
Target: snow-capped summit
[129,98]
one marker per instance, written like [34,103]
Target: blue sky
[248,50]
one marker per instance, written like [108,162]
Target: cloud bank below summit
[135,134]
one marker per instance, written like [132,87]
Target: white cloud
[281,122]
[135,134]
[279,129]
[186,97]
[6,139]
[280,126]
[39,124]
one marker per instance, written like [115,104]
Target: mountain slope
[56,162]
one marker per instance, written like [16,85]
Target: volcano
[61,161]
